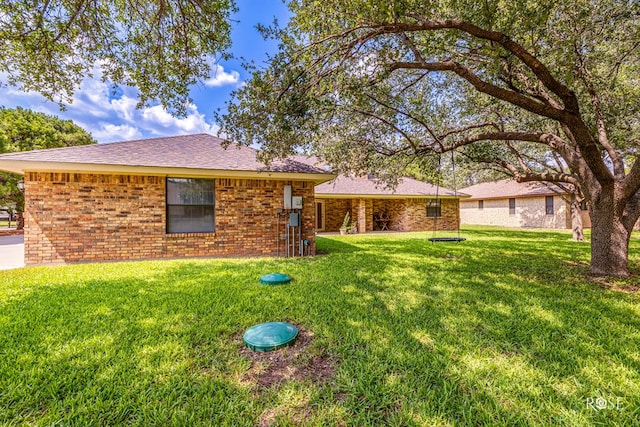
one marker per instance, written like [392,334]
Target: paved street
[11,252]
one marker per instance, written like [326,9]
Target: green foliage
[25,130]
[160,47]
[504,329]
[336,89]
[346,221]
[547,89]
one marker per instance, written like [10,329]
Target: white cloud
[222,78]
[107,132]
[110,117]
[194,122]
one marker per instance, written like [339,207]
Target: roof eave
[23,166]
[511,196]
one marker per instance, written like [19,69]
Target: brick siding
[404,214]
[94,217]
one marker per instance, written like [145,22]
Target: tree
[374,84]
[26,130]
[162,47]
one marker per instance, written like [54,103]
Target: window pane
[434,208]
[190,205]
[188,191]
[480,204]
[190,219]
[512,206]
[549,204]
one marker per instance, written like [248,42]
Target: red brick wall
[404,214]
[91,217]
[334,213]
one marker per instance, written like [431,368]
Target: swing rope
[439,177]
[455,189]
[439,202]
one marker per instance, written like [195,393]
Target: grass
[506,328]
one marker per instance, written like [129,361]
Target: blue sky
[115,118]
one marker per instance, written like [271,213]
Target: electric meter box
[294,219]
[296,202]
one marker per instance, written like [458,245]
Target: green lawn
[506,328]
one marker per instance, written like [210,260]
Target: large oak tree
[161,47]
[380,84]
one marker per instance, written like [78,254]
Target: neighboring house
[411,206]
[183,196]
[508,203]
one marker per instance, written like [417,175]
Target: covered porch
[387,214]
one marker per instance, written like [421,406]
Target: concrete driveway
[11,251]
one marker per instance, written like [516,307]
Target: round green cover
[270,336]
[275,279]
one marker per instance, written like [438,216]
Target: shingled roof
[367,187]
[199,154]
[508,188]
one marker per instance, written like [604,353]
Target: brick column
[365,215]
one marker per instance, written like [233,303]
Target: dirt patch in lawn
[628,285]
[296,362]
[299,362]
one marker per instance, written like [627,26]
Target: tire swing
[435,237]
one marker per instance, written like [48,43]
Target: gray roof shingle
[508,188]
[199,151]
[371,187]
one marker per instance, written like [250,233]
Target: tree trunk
[576,220]
[609,242]
[20,222]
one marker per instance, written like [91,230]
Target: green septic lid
[270,336]
[275,279]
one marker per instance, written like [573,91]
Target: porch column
[365,215]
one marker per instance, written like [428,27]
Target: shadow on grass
[520,337]
[492,331]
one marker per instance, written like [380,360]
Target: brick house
[411,206]
[508,203]
[183,196]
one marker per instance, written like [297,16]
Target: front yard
[506,328]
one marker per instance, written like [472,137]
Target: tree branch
[603,137]
[530,61]
[409,116]
[388,123]
[480,85]
[631,184]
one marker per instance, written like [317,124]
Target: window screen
[434,208]
[512,206]
[480,204]
[190,205]
[548,203]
